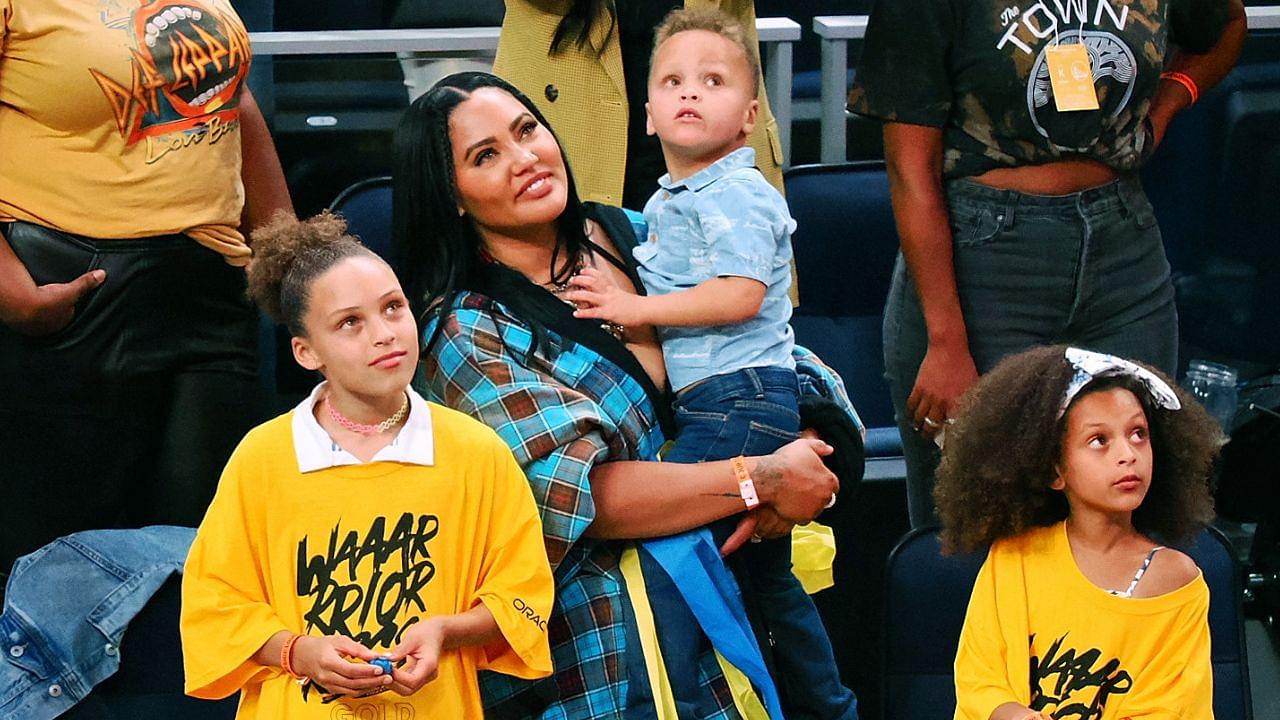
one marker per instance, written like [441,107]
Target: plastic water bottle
[1214,385]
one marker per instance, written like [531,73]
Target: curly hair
[288,254]
[1001,455]
[713,21]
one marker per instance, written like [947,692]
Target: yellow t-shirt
[365,550]
[1039,633]
[120,118]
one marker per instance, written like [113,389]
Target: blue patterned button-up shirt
[723,221]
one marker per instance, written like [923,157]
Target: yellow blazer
[583,94]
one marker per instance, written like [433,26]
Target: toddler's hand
[598,297]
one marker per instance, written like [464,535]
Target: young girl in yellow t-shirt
[1071,464]
[367,553]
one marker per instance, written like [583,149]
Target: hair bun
[278,244]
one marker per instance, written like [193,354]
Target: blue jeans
[754,412]
[1085,269]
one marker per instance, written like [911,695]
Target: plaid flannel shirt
[562,413]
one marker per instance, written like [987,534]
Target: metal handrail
[777,34]
[836,31]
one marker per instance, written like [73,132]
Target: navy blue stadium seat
[927,594]
[1213,553]
[925,599]
[845,244]
[366,206]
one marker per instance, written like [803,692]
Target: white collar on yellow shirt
[414,445]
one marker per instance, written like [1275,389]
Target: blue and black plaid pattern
[562,412]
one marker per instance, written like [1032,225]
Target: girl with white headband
[1074,467]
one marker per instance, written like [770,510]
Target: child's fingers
[589,313]
[401,651]
[746,528]
[599,277]
[351,648]
[577,296]
[350,678]
[584,297]
[417,673]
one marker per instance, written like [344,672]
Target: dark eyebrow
[474,146]
[356,308]
[519,119]
[490,140]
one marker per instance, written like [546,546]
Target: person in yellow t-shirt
[1073,466]
[133,159]
[368,553]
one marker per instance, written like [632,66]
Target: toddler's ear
[1058,483]
[648,120]
[749,117]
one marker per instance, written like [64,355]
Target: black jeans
[125,417]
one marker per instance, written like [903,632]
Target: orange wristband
[1185,81]
[286,656]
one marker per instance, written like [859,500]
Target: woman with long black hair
[489,233]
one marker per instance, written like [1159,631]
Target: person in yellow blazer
[582,86]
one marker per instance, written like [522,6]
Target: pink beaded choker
[363,429]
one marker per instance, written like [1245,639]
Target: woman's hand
[420,648]
[794,481]
[914,158]
[944,375]
[38,309]
[324,660]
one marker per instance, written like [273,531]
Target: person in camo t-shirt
[1013,155]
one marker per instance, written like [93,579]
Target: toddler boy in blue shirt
[717,267]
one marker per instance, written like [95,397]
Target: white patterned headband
[1091,365]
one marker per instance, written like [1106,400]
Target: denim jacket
[66,609]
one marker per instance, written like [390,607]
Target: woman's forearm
[651,499]
[1205,69]
[265,191]
[914,156]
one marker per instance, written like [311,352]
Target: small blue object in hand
[384,663]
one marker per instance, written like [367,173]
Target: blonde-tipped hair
[711,20]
